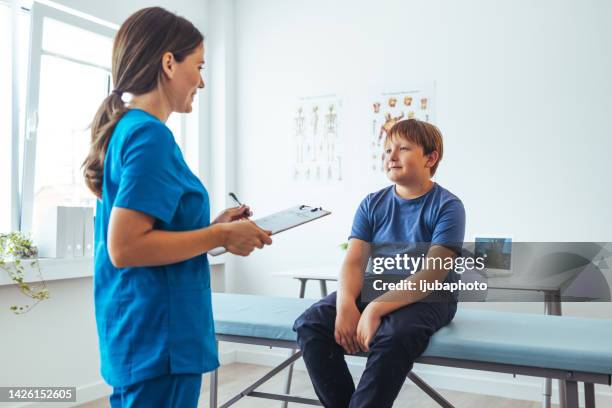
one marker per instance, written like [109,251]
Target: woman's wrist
[218,233]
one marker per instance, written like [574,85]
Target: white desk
[320,273]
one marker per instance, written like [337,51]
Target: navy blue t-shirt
[392,224]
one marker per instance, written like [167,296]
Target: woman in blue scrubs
[152,229]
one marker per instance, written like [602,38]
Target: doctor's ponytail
[138,48]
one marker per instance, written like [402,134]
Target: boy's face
[405,162]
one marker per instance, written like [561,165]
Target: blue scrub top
[158,320]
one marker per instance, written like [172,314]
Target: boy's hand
[346,327]
[367,327]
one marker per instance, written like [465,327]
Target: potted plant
[16,249]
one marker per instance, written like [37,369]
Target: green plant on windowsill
[16,249]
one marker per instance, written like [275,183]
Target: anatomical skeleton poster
[387,108]
[316,144]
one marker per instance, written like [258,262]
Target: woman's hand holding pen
[241,237]
[241,212]
[234,214]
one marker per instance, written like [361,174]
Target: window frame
[13,139]
[38,13]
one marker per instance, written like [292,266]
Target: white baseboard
[94,391]
[471,381]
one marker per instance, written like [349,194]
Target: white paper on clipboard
[283,220]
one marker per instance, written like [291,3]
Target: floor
[234,377]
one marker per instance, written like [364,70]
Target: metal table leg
[571,389]
[292,351]
[213,388]
[433,394]
[302,286]
[288,380]
[547,392]
[323,286]
[251,388]
[589,395]
[552,306]
[214,385]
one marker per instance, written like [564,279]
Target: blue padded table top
[567,343]
[257,316]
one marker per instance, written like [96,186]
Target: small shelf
[53,269]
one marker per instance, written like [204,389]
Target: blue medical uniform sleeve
[150,172]
[362,222]
[449,230]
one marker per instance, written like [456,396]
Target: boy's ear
[432,158]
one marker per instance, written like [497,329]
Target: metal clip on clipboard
[284,220]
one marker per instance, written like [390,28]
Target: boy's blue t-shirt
[156,320]
[395,225]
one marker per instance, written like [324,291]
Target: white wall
[522,100]
[55,344]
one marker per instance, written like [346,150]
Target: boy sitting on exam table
[394,329]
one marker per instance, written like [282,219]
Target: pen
[233,197]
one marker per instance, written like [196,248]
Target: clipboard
[283,220]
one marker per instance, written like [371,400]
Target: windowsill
[53,269]
[67,268]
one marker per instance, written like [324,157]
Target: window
[175,124]
[12,109]
[5,119]
[62,78]
[69,77]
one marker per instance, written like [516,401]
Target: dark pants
[403,336]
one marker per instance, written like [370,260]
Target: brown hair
[138,48]
[420,133]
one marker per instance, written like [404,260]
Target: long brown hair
[138,48]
